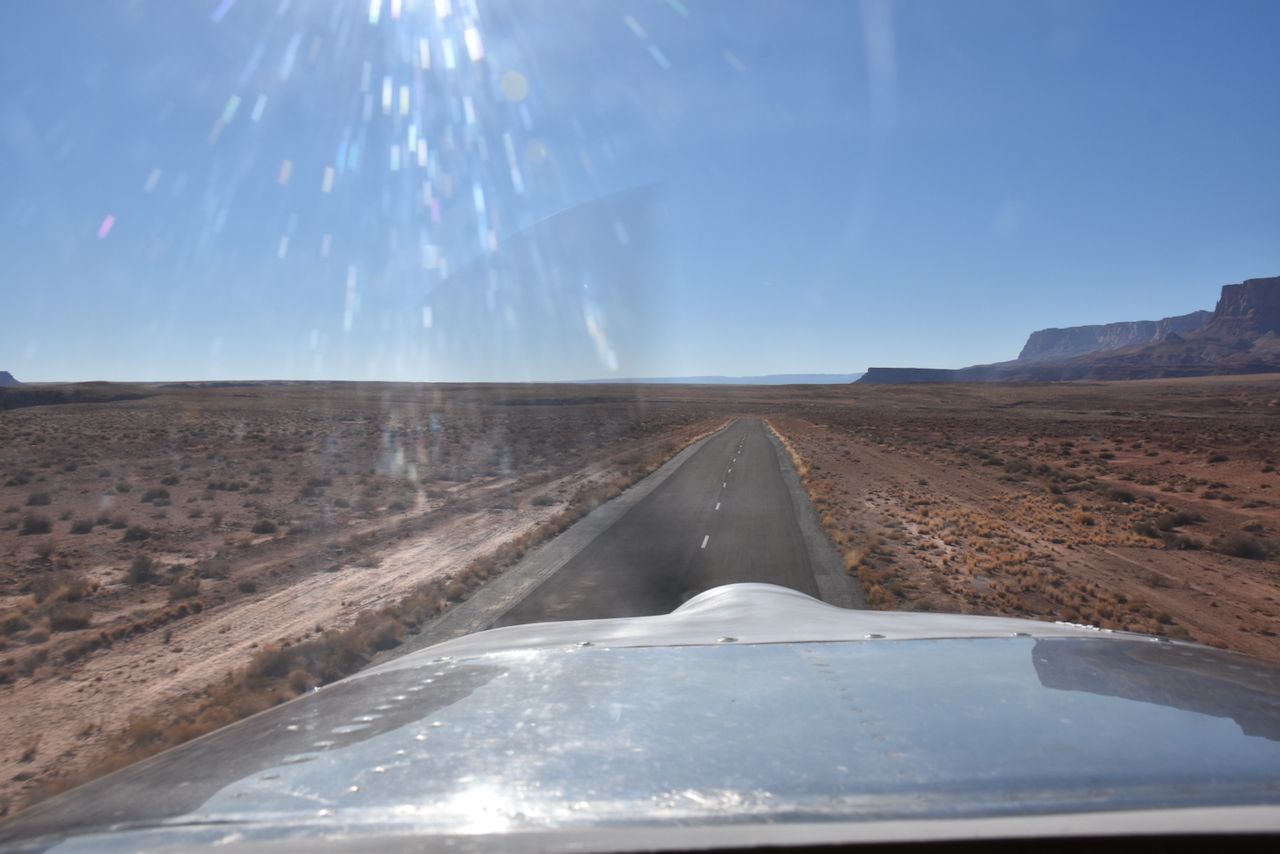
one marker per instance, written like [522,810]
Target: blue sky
[274,189]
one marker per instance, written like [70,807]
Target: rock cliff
[1248,310]
[1241,336]
[1050,344]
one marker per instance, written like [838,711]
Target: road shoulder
[836,586]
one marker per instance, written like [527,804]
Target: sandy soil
[1149,506]
[370,495]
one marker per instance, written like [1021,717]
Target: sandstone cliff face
[1052,344]
[1248,310]
[1181,325]
[1242,336]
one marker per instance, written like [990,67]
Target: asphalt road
[725,516]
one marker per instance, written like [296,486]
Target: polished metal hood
[749,713]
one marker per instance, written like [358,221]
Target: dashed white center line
[724,485]
[717,505]
[704,541]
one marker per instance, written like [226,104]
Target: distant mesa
[1240,336]
[1247,311]
[1048,345]
[896,376]
[16,395]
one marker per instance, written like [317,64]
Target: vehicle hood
[750,710]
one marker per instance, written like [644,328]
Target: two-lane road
[726,515]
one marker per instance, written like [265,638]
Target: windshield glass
[334,330]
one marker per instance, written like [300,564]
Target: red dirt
[372,490]
[1059,501]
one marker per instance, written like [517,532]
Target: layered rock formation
[1248,310]
[1242,336]
[1052,344]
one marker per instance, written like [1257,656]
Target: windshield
[334,330]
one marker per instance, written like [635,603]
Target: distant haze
[767,379]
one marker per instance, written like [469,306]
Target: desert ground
[176,558]
[1151,506]
[152,546]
